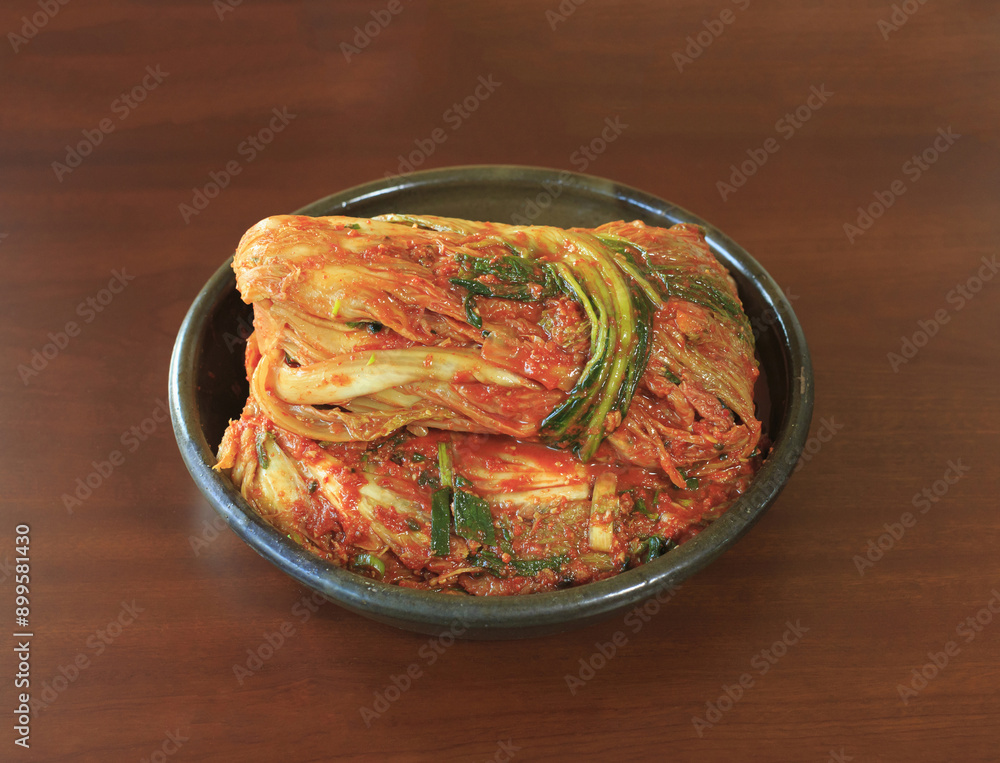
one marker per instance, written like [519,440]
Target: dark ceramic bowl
[208,388]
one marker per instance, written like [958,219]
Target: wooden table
[850,147]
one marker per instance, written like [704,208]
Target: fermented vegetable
[490,409]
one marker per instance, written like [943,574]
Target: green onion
[515,273]
[640,506]
[474,319]
[527,567]
[426,479]
[680,281]
[565,424]
[639,356]
[473,520]
[367,561]
[690,482]
[604,508]
[373,327]
[440,521]
[397,439]
[656,546]
[417,457]
[444,465]
[506,540]
[313,486]
[509,268]
[619,306]
[671,376]
[623,253]
[353,226]
[262,457]
[473,287]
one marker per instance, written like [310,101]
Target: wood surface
[161,684]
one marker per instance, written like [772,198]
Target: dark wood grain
[199,607]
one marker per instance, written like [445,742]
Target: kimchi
[471,407]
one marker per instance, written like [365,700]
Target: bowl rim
[510,616]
